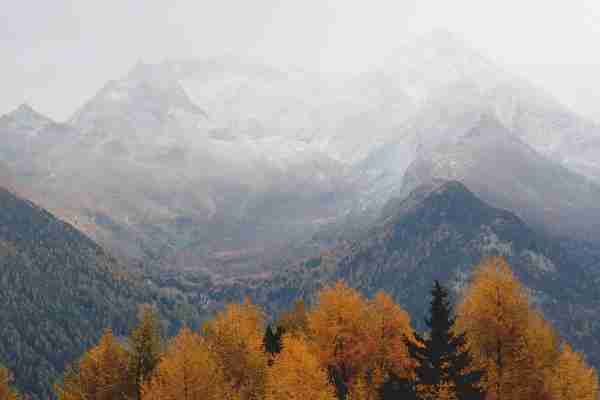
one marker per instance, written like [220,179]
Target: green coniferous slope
[58,291]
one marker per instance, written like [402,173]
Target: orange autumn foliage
[361,340]
[519,350]
[347,339]
[100,374]
[389,327]
[571,378]
[294,321]
[338,328]
[494,313]
[236,337]
[296,374]
[188,371]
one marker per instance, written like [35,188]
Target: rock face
[440,231]
[153,176]
[508,173]
[215,164]
[213,167]
[28,141]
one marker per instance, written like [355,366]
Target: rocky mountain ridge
[224,157]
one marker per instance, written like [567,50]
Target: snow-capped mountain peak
[439,59]
[25,120]
[147,105]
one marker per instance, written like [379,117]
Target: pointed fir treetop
[442,358]
[272,340]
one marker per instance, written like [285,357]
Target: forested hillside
[58,291]
[346,346]
[62,291]
[391,201]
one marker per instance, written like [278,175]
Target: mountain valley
[192,183]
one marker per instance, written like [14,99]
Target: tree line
[491,345]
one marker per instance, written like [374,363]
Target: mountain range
[210,179]
[214,151]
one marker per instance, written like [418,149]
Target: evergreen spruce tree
[442,357]
[145,347]
[272,340]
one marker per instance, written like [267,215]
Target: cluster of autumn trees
[495,346]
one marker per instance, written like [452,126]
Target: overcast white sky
[56,54]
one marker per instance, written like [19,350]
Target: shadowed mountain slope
[507,173]
[59,290]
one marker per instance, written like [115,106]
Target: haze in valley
[190,154]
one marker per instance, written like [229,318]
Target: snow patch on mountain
[26,121]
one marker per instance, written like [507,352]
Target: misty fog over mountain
[190,154]
[224,157]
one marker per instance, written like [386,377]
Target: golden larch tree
[571,378]
[361,390]
[389,327]
[508,339]
[296,374]
[187,371]
[236,337]
[294,321]
[494,313]
[338,326]
[101,374]
[539,353]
